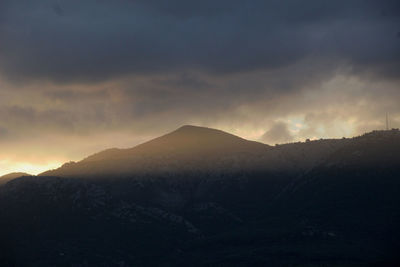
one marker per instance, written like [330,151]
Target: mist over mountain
[203,197]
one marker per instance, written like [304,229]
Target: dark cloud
[70,41]
[80,76]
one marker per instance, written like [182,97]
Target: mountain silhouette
[10,176]
[193,148]
[187,148]
[203,197]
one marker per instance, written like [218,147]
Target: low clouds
[278,132]
[77,77]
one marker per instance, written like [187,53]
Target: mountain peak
[187,147]
[193,129]
[188,127]
[195,138]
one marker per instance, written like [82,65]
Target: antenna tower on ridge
[387,122]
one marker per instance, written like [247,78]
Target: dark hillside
[319,203]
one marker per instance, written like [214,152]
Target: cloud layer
[68,41]
[79,76]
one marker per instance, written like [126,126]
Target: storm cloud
[69,41]
[80,76]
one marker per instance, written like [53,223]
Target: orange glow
[7,166]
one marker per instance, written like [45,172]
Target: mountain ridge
[196,146]
[191,148]
[325,202]
[191,137]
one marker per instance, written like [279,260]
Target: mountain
[194,149]
[202,197]
[189,148]
[8,177]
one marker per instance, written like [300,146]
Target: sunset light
[199,133]
[26,167]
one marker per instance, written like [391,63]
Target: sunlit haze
[199,133]
[77,78]
[27,167]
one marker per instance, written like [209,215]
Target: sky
[77,77]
